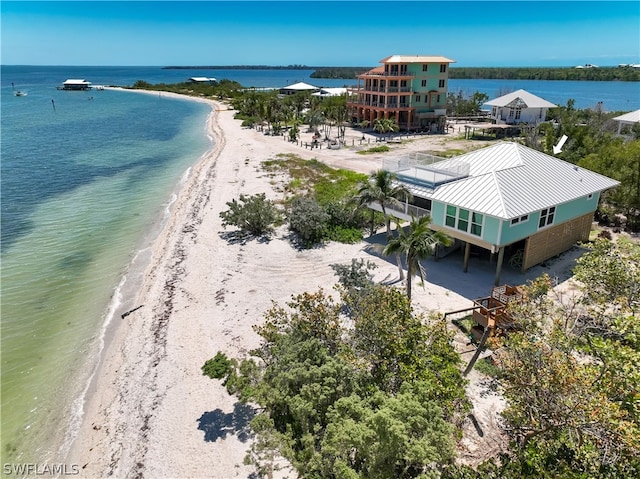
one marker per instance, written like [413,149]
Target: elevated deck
[425,170]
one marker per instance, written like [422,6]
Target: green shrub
[252,214]
[217,367]
[487,367]
[308,219]
[344,234]
[375,149]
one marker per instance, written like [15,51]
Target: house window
[424,83]
[443,67]
[494,111]
[440,83]
[546,217]
[464,220]
[438,99]
[476,224]
[520,219]
[425,67]
[518,111]
[450,219]
[403,83]
[510,112]
[417,98]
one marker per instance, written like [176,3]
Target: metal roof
[75,81]
[300,86]
[416,59]
[521,99]
[508,180]
[631,117]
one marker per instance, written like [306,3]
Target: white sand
[150,411]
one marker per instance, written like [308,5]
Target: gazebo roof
[521,99]
[631,117]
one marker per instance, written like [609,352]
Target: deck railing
[403,211]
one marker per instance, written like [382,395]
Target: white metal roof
[300,86]
[508,180]
[330,92]
[73,81]
[203,79]
[631,117]
[416,59]
[528,100]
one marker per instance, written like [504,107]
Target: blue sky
[319,33]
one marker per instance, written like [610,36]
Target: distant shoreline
[570,73]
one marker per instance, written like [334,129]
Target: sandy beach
[149,411]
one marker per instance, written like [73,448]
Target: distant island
[619,73]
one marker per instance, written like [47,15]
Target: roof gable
[520,99]
[300,86]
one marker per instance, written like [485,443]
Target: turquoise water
[85,187]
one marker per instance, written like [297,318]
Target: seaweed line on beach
[198,194]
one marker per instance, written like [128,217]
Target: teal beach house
[514,203]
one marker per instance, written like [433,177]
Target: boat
[17,92]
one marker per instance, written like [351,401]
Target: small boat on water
[18,92]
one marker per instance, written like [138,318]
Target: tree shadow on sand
[217,424]
[241,237]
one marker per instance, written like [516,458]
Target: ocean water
[87,179]
[85,187]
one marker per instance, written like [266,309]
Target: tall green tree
[340,404]
[621,161]
[383,188]
[416,243]
[571,374]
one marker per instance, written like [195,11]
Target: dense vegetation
[592,143]
[347,73]
[619,73]
[571,375]
[365,388]
[380,398]
[626,73]
[546,73]
[318,204]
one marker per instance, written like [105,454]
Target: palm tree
[385,125]
[416,244]
[383,188]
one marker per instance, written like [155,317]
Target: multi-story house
[410,89]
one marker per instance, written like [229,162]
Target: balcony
[403,211]
[386,74]
[378,104]
[394,89]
